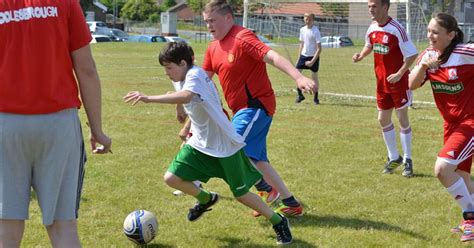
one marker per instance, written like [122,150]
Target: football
[140,226]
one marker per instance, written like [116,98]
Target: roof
[292,8]
[100,6]
[177,6]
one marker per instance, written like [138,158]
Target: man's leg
[316,82]
[405,140]
[11,233]
[63,234]
[271,176]
[405,131]
[388,132]
[289,206]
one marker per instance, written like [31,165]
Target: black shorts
[300,65]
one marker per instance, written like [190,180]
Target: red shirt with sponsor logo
[390,44]
[238,61]
[453,83]
[36,41]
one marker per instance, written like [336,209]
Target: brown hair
[175,52]
[449,23]
[221,6]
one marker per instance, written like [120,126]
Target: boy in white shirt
[310,49]
[215,148]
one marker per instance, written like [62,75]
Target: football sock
[405,139]
[203,197]
[262,185]
[460,193]
[300,92]
[316,98]
[390,141]
[275,219]
[290,202]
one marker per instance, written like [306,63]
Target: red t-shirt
[453,83]
[238,61]
[390,44]
[36,70]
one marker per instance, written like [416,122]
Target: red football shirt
[238,61]
[453,83]
[37,38]
[390,44]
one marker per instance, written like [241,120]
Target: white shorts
[46,153]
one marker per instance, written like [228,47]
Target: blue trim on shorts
[253,124]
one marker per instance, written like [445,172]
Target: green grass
[330,156]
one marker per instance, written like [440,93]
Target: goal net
[339,77]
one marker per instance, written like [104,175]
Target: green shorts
[237,170]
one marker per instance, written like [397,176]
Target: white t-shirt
[310,37]
[213,133]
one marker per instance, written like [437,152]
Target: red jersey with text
[36,71]
[453,83]
[238,61]
[390,44]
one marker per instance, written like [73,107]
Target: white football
[140,226]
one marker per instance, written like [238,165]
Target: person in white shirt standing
[310,49]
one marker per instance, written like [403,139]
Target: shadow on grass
[423,175]
[156,246]
[354,105]
[330,221]
[235,242]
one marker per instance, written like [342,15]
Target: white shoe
[178,193]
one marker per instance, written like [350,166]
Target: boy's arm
[316,54]
[180,113]
[180,97]
[183,133]
[285,66]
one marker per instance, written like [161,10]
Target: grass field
[330,156]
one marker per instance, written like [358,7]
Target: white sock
[405,139]
[460,193]
[390,141]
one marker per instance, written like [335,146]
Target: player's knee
[384,120]
[171,180]
[11,233]
[243,198]
[64,233]
[442,168]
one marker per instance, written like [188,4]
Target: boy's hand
[135,97]
[183,134]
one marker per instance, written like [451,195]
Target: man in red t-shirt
[393,54]
[239,59]
[43,49]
